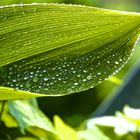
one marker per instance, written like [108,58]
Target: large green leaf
[62,49]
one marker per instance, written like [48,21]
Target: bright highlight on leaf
[62,49]
[64,131]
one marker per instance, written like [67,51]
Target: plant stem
[2,109]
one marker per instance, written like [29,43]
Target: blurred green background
[75,108]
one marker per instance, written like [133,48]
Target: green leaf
[10,93]
[29,117]
[64,131]
[62,49]
[8,120]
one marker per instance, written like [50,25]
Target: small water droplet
[75,84]
[85,71]
[14,80]
[59,79]
[21,85]
[59,68]
[108,62]
[74,71]
[78,75]
[10,68]
[31,72]
[84,80]
[99,73]
[45,79]
[116,62]
[46,89]
[25,78]
[51,83]
[44,71]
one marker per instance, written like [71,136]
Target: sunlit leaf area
[69,70]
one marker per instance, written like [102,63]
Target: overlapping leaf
[30,118]
[62,49]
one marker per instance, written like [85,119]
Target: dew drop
[25,78]
[74,71]
[59,79]
[45,79]
[14,80]
[75,84]
[99,73]
[44,71]
[84,80]
[53,78]
[89,77]
[78,75]
[108,62]
[21,85]
[27,85]
[116,62]
[35,79]
[46,89]
[31,72]
[85,71]
[10,73]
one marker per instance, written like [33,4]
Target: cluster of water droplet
[66,74]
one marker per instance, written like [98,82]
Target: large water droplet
[35,79]
[89,77]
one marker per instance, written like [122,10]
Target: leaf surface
[58,49]
[30,118]
[64,131]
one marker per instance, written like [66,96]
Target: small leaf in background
[64,131]
[62,49]
[8,120]
[31,119]
[92,134]
[123,123]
